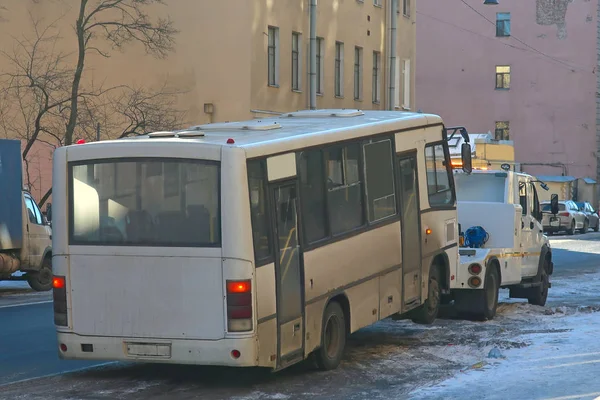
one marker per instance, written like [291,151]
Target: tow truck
[502,243]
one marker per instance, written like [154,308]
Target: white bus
[256,243]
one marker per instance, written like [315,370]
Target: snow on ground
[569,347]
[559,353]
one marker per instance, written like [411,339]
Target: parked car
[592,215]
[568,219]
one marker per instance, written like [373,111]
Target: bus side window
[261,233]
[379,179]
[344,193]
[312,195]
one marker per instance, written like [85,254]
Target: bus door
[411,231]
[288,275]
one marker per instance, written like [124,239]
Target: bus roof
[294,130]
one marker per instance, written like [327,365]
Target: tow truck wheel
[41,280]
[538,295]
[428,312]
[490,293]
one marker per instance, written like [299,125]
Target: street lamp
[490,2]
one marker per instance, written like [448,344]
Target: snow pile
[568,348]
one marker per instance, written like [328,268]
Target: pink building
[524,70]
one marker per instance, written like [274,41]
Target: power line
[561,65]
[522,42]
[473,32]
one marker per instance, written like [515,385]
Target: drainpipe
[393,38]
[313,55]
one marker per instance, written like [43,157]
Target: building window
[502,24]
[438,176]
[406,8]
[502,130]
[379,180]
[358,72]
[339,69]
[376,76]
[312,191]
[344,188]
[296,71]
[257,185]
[273,51]
[406,84]
[320,68]
[502,77]
[377,3]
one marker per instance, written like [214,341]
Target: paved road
[386,361]
[28,343]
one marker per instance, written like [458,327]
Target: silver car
[592,215]
[568,219]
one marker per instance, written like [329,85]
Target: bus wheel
[428,312]
[41,280]
[333,338]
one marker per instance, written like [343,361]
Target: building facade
[524,70]
[246,59]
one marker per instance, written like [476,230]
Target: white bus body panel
[181,291]
[182,288]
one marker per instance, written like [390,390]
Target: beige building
[242,59]
[237,59]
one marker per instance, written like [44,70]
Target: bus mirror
[466,157]
[554,204]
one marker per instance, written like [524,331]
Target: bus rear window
[145,202]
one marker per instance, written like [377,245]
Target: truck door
[36,231]
[529,229]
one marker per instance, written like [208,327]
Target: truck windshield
[480,187]
[145,202]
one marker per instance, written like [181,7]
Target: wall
[587,192]
[562,189]
[220,55]
[550,104]
[351,22]
[495,154]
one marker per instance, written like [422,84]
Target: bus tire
[428,312]
[333,337]
[41,281]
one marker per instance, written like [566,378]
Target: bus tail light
[59,295]
[239,306]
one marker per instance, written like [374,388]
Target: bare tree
[118,22]
[43,98]
[142,110]
[35,90]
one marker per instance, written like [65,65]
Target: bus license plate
[554,222]
[149,349]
